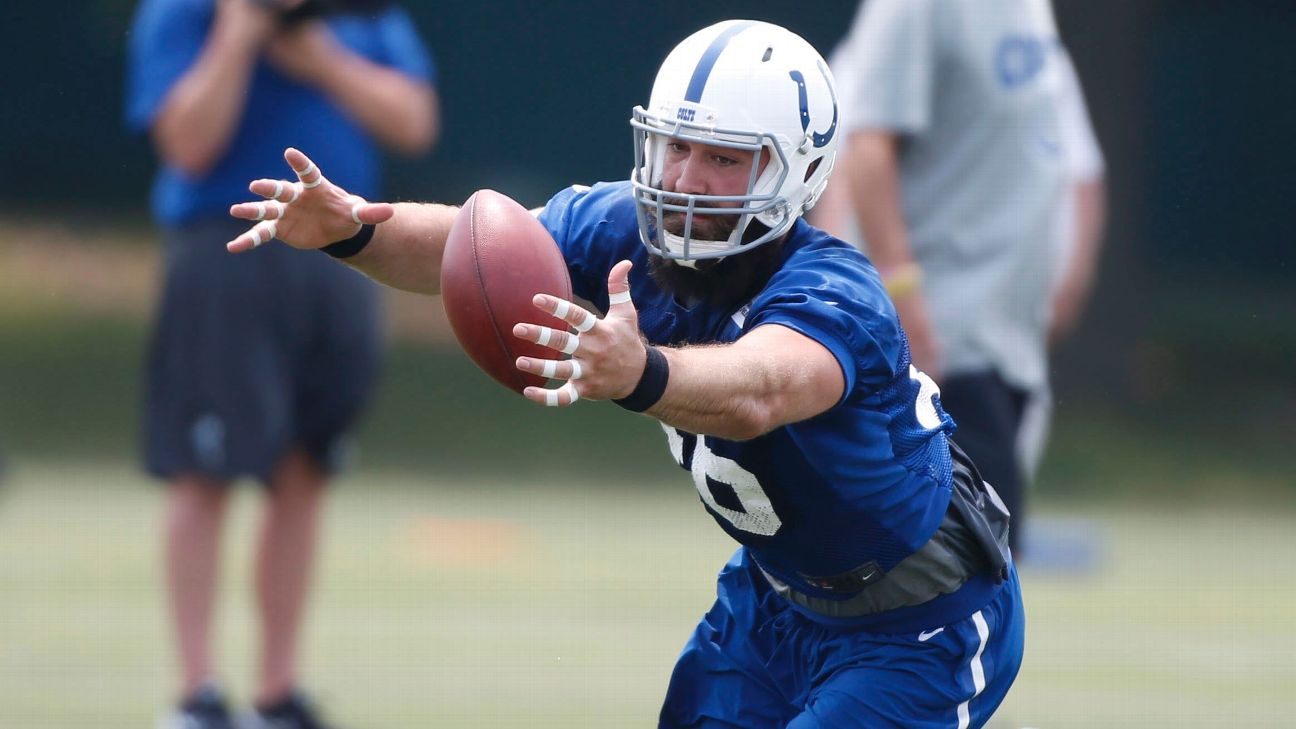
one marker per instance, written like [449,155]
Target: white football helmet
[742,84]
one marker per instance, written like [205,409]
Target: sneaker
[204,709]
[294,711]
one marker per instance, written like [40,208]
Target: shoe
[204,709]
[294,711]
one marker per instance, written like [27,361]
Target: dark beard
[727,283]
[716,227]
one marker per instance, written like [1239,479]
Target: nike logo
[927,635]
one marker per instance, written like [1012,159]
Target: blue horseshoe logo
[818,139]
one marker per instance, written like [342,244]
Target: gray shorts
[253,355]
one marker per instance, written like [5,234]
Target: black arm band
[652,383]
[351,246]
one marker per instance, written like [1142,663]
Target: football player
[873,585]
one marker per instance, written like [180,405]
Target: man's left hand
[608,355]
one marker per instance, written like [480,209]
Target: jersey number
[925,406]
[757,515]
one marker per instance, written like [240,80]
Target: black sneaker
[294,711]
[204,709]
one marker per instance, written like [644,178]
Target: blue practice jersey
[867,481]
[165,41]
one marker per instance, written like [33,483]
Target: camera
[321,8]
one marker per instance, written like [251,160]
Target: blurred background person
[956,183]
[259,370]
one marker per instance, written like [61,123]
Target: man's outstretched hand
[608,355]
[309,213]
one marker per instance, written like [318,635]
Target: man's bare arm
[1073,290]
[872,170]
[771,376]
[200,114]
[406,250]
[403,113]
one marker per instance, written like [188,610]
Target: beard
[705,227]
[723,283]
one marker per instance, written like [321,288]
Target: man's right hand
[251,22]
[309,213]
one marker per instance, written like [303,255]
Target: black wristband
[652,383]
[351,246]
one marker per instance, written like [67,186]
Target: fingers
[373,213]
[270,210]
[364,212]
[308,176]
[307,172]
[262,232]
[551,369]
[557,398]
[619,287]
[564,342]
[281,190]
[581,319]
[571,370]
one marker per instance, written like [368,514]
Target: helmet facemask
[654,204]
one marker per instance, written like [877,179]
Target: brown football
[497,257]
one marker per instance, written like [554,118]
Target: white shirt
[973,89]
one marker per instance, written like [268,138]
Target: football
[497,257]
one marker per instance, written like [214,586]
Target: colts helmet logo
[816,138]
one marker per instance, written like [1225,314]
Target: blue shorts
[756,662]
[254,354]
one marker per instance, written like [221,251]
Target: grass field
[455,603]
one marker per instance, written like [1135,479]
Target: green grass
[450,602]
[69,385]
